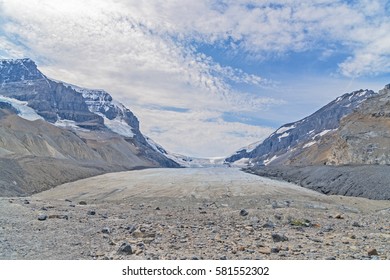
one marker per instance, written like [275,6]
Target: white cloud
[198,133]
[144,52]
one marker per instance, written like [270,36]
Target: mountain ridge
[74,132]
[297,136]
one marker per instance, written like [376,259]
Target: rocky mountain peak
[293,137]
[17,70]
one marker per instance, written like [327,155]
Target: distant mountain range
[352,129]
[52,132]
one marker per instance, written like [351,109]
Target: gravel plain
[194,213]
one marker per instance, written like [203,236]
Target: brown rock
[339,216]
[265,251]
[372,252]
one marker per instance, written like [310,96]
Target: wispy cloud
[147,54]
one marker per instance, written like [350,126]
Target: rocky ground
[191,214]
[369,181]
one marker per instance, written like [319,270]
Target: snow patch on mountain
[118,125]
[268,161]
[307,145]
[285,128]
[101,103]
[24,111]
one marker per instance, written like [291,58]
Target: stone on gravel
[64,217]
[372,252]
[275,250]
[91,212]
[106,230]
[339,216]
[265,251]
[125,249]
[42,217]
[356,224]
[82,202]
[276,237]
[244,212]
[269,224]
[131,228]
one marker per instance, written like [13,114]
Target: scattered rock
[356,224]
[131,228]
[276,237]
[125,249]
[269,224]
[275,250]
[265,251]
[372,252]
[106,230]
[244,213]
[327,228]
[278,217]
[68,200]
[82,202]
[43,208]
[42,217]
[26,202]
[91,212]
[65,217]
[157,208]
[339,216]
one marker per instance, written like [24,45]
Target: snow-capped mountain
[292,139]
[53,121]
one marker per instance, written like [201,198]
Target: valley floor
[194,213]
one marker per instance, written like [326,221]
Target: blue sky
[206,77]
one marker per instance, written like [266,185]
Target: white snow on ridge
[322,133]
[307,145]
[119,126]
[96,99]
[284,128]
[283,135]
[362,93]
[24,111]
[66,124]
[268,161]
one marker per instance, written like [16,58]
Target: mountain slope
[363,137]
[52,132]
[350,157]
[294,138]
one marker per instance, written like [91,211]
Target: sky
[206,77]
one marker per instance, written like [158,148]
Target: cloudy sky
[206,77]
